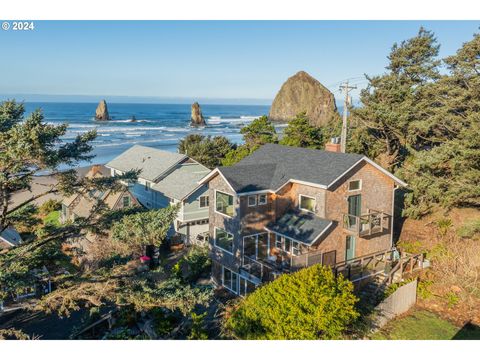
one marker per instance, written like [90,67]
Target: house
[283,208]
[81,205]
[169,178]
[9,238]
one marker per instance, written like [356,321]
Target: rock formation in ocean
[102,111]
[197,117]
[300,93]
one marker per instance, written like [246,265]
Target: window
[246,287]
[126,201]
[295,248]
[230,280]
[224,240]
[262,199]
[355,185]
[204,201]
[224,203]
[147,185]
[287,245]
[278,242]
[252,200]
[171,201]
[307,203]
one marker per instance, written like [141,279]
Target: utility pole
[345,88]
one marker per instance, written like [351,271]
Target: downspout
[393,215]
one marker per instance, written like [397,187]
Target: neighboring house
[283,208]
[9,238]
[81,205]
[169,178]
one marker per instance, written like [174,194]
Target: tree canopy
[423,123]
[309,304]
[206,150]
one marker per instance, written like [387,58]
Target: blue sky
[209,59]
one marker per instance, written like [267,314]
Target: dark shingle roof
[300,225]
[272,165]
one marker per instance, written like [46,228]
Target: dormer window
[262,199]
[355,185]
[252,200]
[307,203]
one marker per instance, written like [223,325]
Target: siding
[191,207]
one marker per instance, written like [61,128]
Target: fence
[396,304]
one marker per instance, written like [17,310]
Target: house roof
[182,181]
[11,236]
[300,225]
[272,166]
[152,162]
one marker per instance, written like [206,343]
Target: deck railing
[374,222]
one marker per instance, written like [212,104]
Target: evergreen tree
[392,102]
[206,150]
[301,133]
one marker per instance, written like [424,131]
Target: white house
[168,178]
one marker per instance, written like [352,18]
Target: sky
[175,60]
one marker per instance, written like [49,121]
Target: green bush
[198,331]
[308,304]
[198,262]
[423,289]
[49,206]
[469,229]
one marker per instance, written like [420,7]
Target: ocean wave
[133,142]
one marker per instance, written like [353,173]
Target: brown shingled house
[283,208]
[81,205]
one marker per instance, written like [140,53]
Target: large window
[224,203]
[289,246]
[256,246]
[307,203]
[230,280]
[224,240]
[203,201]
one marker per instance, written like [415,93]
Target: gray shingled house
[169,178]
[283,208]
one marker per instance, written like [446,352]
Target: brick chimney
[333,145]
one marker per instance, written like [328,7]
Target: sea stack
[102,111]
[197,117]
[303,93]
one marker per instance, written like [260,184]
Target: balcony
[372,223]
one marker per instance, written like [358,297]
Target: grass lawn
[52,218]
[424,325]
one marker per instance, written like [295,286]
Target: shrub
[444,225]
[423,289]
[308,304]
[469,229]
[198,331]
[198,262]
[49,206]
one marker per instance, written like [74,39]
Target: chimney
[333,145]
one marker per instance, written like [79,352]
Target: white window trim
[200,202]
[266,199]
[215,204]
[300,203]
[359,189]
[292,241]
[248,200]
[256,244]
[223,280]
[215,240]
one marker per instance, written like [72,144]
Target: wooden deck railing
[374,222]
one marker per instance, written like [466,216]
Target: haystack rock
[197,117]
[303,93]
[102,111]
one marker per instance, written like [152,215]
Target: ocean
[157,125]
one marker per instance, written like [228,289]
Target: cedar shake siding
[320,229]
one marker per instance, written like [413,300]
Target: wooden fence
[396,304]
